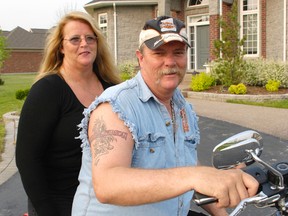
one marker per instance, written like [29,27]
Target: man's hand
[228,186]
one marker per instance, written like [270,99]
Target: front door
[202,50]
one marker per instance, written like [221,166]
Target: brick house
[26,49]
[262,21]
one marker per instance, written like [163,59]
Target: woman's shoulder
[49,81]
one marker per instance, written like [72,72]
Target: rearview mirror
[233,151]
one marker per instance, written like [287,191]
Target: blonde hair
[52,60]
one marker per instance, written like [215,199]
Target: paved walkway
[8,165]
[271,121]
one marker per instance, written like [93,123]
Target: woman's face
[79,45]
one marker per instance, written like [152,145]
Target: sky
[29,14]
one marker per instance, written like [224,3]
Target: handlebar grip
[201,199]
[258,173]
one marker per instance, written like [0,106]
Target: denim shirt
[151,126]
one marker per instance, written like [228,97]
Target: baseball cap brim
[159,40]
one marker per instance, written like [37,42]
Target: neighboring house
[262,21]
[26,50]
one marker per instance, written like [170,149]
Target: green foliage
[229,65]
[22,94]
[238,89]
[127,70]
[272,85]
[229,46]
[1,82]
[201,82]
[259,71]
[228,72]
[4,53]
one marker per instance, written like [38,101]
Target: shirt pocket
[150,153]
[190,150]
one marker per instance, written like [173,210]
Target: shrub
[127,70]
[201,82]
[232,89]
[228,72]
[272,85]
[238,89]
[22,94]
[259,71]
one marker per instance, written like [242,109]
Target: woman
[77,66]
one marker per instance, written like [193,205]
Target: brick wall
[22,61]
[214,34]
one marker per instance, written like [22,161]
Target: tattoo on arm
[102,138]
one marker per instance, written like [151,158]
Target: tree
[4,53]
[228,49]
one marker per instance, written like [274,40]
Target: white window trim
[189,25]
[101,25]
[242,13]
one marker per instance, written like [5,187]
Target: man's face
[163,68]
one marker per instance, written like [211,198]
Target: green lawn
[8,101]
[276,104]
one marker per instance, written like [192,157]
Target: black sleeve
[35,130]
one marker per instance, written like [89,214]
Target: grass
[270,103]
[8,101]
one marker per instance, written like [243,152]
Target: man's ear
[139,55]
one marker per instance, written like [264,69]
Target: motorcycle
[246,147]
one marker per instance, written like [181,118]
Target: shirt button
[168,123]
[152,150]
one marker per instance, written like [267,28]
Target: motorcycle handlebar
[264,177]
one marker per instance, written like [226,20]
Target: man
[143,137]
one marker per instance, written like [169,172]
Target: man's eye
[180,53]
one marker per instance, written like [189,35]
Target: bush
[1,82]
[272,85]
[127,70]
[238,89]
[228,72]
[259,71]
[22,94]
[201,82]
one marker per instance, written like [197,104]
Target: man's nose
[170,61]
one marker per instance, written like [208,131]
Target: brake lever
[251,200]
[268,201]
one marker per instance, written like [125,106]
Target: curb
[225,97]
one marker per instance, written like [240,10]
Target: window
[193,48]
[102,19]
[250,26]
[197,2]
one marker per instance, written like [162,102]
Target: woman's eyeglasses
[76,40]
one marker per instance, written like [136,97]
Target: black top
[47,154]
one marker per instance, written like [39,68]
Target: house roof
[21,39]
[104,3]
